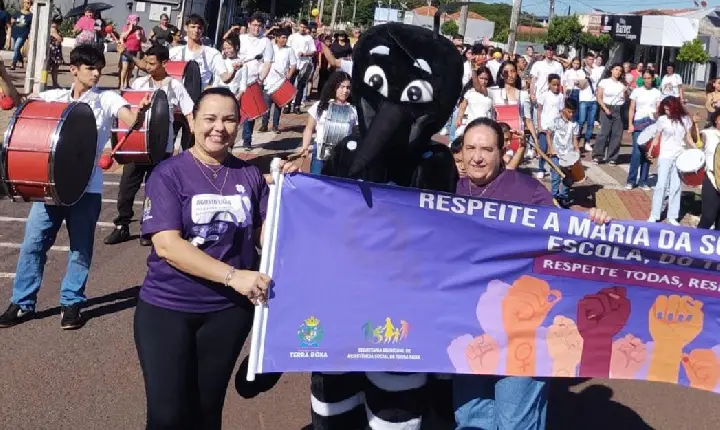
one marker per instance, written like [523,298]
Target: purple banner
[371,277]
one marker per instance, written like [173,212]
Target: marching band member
[710,215]
[337,91]
[44,221]
[611,94]
[133,175]
[205,214]
[231,47]
[283,67]
[252,45]
[303,45]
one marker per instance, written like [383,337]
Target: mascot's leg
[396,401]
[338,401]
[441,402]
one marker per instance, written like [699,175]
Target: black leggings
[710,206]
[187,360]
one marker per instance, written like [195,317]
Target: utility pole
[462,25]
[321,6]
[36,61]
[551,13]
[514,18]
[354,11]
[334,13]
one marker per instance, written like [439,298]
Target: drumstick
[547,159]
[106,160]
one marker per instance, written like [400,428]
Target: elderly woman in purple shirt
[204,212]
[495,402]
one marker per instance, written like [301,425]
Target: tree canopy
[693,52]
[449,28]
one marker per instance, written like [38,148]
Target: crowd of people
[204,208]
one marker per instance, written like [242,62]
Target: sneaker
[263,129]
[588,147]
[247,148]
[646,188]
[673,222]
[629,186]
[651,219]
[119,235]
[275,130]
[612,163]
[296,110]
[539,175]
[144,241]
[15,315]
[597,160]
[71,318]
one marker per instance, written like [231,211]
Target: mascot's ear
[436,171]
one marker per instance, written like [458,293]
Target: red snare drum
[510,115]
[147,144]
[187,72]
[691,166]
[252,102]
[175,69]
[49,152]
[280,90]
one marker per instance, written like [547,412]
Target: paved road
[90,379]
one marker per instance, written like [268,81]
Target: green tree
[693,52]
[596,43]
[564,30]
[449,28]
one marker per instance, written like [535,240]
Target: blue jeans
[247,132]
[586,117]
[43,223]
[499,402]
[316,165]
[638,161]
[276,114]
[557,187]
[17,44]
[453,125]
[668,178]
[543,144]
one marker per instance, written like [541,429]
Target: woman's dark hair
[234,41]
[492,125]
[501,75]
[578,59]
[608,70]
[651,74]
[216,91]
[328,91]
[456,145]
[710,87]
[670,64]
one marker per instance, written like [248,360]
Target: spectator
[4,22]
[20,31]
[84,29]
[161,33]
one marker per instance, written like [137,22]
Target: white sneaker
[539,175]
[651,219]
[629,187]
[588,147]
[673,222]
[646,188]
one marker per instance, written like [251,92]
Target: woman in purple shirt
[204,212]
[496,402]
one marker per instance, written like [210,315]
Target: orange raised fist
[483,355]
[702,368]
[675,321]
[526,305]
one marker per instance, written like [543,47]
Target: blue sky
[540,7]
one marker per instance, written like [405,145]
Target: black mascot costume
[406,81]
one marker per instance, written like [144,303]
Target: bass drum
[49,152]
[147,144]
[192,80]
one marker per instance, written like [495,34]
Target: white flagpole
[265,263]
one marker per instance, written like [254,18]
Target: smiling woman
[204,211]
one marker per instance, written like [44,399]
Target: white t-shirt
[563,132]
[467,72]
[239,82]
[301,44]
[671,84]
[209,59]
[646,102]
[541,70]
[284,59]
[673,136]
[613,92]
[105,106]
[711,138]
[552,104]
[321,120]
[178,98]
[478,106]
[251,47]
[571,78]
[494,67]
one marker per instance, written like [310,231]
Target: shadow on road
[263,382]
[96,307]
[590,409]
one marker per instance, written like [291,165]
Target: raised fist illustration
[526,305]
[629,353]
[564,345]
[483,355]
[675,321]
[702,368]
[604,314]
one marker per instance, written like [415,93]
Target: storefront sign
[626,28]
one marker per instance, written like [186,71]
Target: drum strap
[204,60]
[166,83]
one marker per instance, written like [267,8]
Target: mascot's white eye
[375,79]
[417,91]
